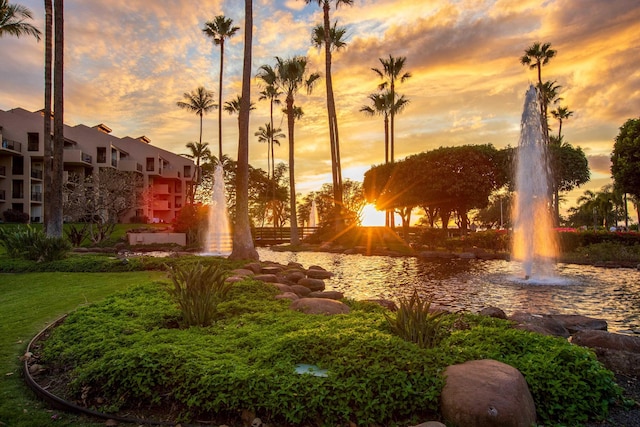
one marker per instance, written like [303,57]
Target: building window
[101,155]
[17,166]
[150,164]
[33,141]
[187,171]
[114,157]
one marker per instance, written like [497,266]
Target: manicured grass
[28,302]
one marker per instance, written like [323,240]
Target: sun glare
[372,217]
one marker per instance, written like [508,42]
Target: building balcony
[36,197]
[3,171]
[170,173]
[161,189]
[161,205]
[36,174]
[13,147]
[77,157]
[130,166]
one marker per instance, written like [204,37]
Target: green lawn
[28,302]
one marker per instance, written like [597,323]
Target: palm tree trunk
[292,181]
[388,213]
[242,241]
[46,137]
[220,100]
[55,225]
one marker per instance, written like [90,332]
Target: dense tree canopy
[625,159]
[451,179]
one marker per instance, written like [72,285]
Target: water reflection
[613,295]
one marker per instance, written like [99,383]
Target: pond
[609,294]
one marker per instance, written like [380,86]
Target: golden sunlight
[371,217]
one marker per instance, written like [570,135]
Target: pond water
[609,294]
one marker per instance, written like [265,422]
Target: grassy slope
[28,302]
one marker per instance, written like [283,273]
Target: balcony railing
[11,145]
[36,197]
[37,174]
[71,155]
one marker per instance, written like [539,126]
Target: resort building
[166,176]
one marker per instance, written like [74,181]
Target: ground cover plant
[133,352]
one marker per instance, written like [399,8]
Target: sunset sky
[127,62]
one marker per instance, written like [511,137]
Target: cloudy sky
[127,63]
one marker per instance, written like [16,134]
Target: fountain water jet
[534,241]
[313,215]
[219,240]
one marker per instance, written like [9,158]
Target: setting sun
[371,217]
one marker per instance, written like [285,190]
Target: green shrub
[125,353]
[32,244]
[414,322]
[198,290]
[609,251]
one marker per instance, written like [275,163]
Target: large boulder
[269,278]
[327,294]
[575,322]
[312,284]
[495,312]
[300,290]
[619,353]
[319,306]
[486,393]
[539,323]
[316,272]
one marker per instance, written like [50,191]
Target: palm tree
[233,106]
[335,41]
[561,114]
[219,29]
[198,151]
[392,71]
[267,76]
[199,101]
[290,76]
[382,105]
[46,137]
[270,136]
[535,56]
[12,20]
[242,241]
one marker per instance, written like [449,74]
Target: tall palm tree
[267,76]
[333,39]
[198,151]
[382,104]
[12,20]
[243,247]
[219,29]
[199,101]
[391,72]
[46,137]
[233,106]
[561,114]
[291,75]
[535,56]
[271,136]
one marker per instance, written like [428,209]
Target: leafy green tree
[243,247]
[13,19]
[220,29]
[598,209]
[354,202]
[451,179]
[200,102]
[569,170]
[625,158]
[291,75]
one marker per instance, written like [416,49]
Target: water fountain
[534,241]
[313,215]
[219,240]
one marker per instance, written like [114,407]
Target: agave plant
[416,322]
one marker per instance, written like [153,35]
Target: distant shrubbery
[32,244]
[12,215]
